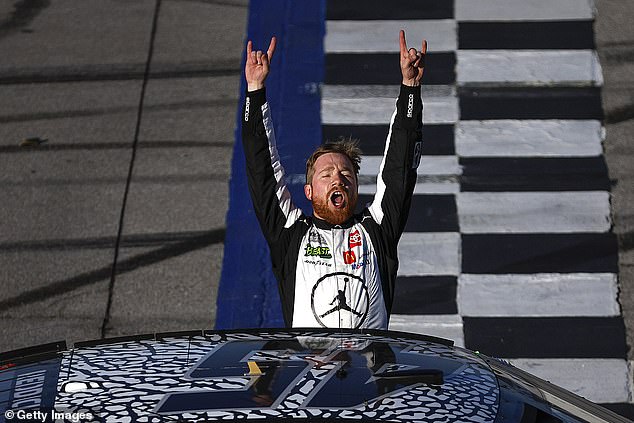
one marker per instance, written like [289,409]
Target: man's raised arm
[271,199]
[398,171]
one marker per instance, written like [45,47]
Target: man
[334,257]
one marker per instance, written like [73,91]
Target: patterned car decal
[130,381]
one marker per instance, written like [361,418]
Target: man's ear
[308,192]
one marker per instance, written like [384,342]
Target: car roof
[305,374]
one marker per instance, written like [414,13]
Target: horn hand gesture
[412,62]
[257,65]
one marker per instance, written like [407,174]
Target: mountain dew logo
[321,252]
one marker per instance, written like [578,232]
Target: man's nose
[338,179]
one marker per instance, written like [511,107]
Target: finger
[424,47]
[271,49]
[412,53]
[250,57]
[418,61]
[258,57]
[403,44]
[264,59]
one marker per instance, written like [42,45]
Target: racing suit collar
[322,224]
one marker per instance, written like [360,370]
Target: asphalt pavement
[94,144]
[614,36]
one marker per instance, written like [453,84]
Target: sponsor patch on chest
[354,240]
[319,251]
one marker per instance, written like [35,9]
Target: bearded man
[334,257]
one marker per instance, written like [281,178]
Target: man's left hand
[412,62]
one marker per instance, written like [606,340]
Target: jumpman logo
[358,305]
[342,304]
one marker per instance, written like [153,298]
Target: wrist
[411,82]
[254,86]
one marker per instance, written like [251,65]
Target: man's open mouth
[337,198]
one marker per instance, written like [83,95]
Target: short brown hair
[346,146]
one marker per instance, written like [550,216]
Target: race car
[311,375]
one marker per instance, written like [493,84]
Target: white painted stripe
[538,295]
[598,380]
[439,165]
[529,138]
[382,36]
[342,104]
[436,253]
[447,326]
[527,10]
[429,165]
[533,212]
[447,187]
[528,67]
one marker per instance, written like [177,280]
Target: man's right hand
[412,62]
[257,65]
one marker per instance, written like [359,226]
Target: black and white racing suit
[336,276]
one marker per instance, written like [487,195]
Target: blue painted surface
[248,295]
[30,386]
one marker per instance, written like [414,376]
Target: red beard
[326,210]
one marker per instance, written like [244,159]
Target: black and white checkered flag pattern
[508,248]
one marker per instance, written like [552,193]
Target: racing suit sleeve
[265,175]
[398,170]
